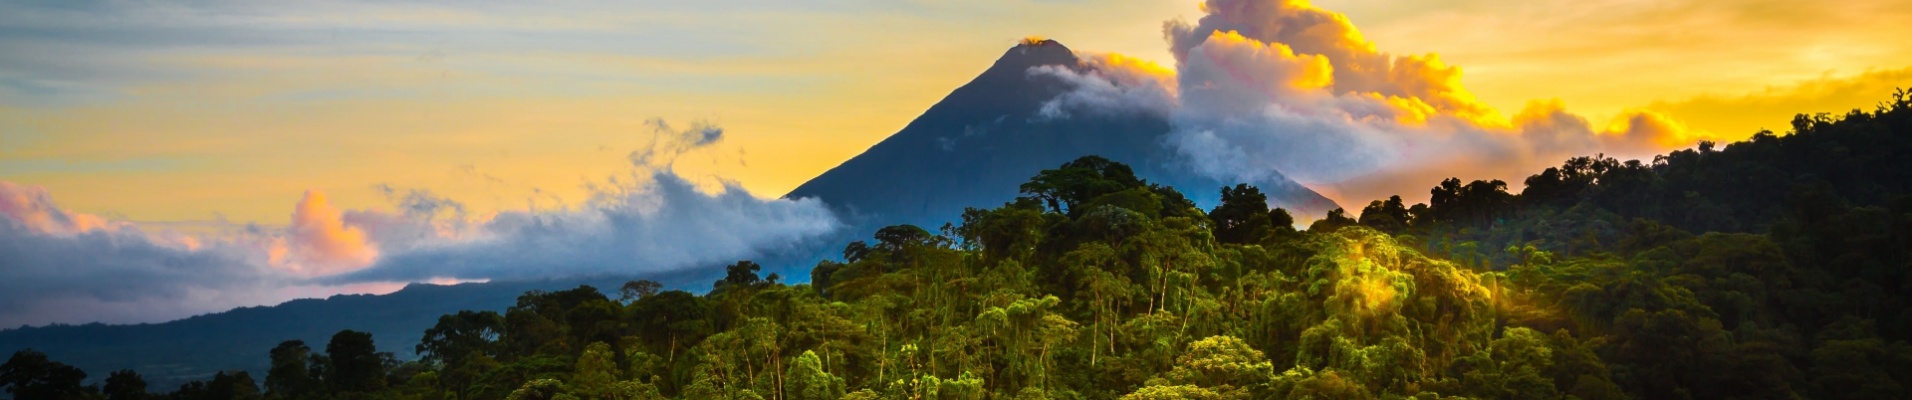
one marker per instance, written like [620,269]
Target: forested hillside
[1769,268]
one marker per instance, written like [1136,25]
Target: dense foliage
[1771,268]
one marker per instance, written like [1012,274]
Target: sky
[163,159]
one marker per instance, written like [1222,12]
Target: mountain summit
[982,141]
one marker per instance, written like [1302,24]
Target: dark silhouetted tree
[1387,216]
[30,375]
[1242,217]
[125,385]
[741,275]
[1079,181]
[356,365]
[290,375]
[1337,218]
[233,385]
[638,289]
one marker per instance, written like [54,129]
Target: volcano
[982,141]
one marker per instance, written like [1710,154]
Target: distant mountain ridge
[976,146]
[171,353]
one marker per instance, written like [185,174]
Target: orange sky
[235,116]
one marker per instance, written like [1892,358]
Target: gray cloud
[665,224]
[58,266]
[119,275]
[1102,89]
[652,220]
[668,143]
[421,203]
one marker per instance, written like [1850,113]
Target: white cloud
[1109,84]
[55,266]
[663,224]
[58,266]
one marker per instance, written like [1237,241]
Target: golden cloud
[319,242]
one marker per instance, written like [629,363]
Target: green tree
[1079,181]
[1304,383]
[595,374]
[1860,368]
[1242,217]
[541,389]
[806,380]
[1008,233]
[1106,285]
[1216,367]
[1029,332]
[465,344]
[1177,392]
[671,320]
[461,335]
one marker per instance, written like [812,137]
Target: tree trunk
[1095,332]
